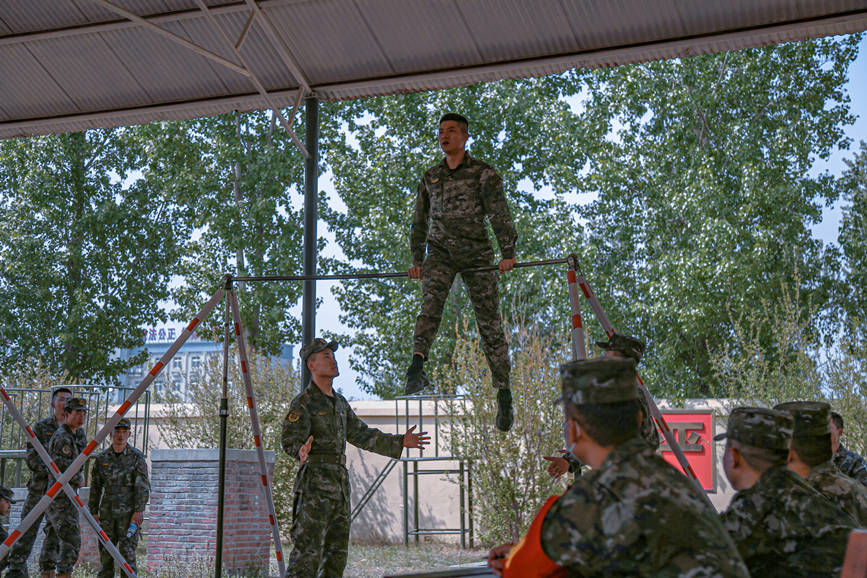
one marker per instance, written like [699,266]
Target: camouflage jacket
[636,515]
[63,447]
[847,493]
[43,430]
[783,527]
[119,483]
[332,423]
[851,464]
[451,206]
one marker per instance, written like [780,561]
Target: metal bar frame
[67,489]
[79,461]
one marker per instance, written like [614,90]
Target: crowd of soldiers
[119,491]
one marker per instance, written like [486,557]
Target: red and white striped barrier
[79,461]
[257,432]
[579,348]
[654,410]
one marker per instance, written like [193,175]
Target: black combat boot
[504,409]
[416,380]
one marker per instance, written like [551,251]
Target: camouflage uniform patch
[320,522]
[119,487]
[36,488]
[450,211]
[61,515]
[851,464]
[636,515]
[842,490]
[783,527]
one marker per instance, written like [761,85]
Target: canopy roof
[69,65]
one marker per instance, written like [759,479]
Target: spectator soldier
[36,488]
[781,525]
[845,459]
[7,498]
[62,516]
[119,492]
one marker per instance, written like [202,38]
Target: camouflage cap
[759,427]
[812,418]
[7,494]
[124,423]
[316,346]
[631,347]
[75,403]
[598,380]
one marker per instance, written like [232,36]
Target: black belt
[333,459]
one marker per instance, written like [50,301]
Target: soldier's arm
[142,485]
[859,472]
[296,430]
[371,439]
[96,485]
[420,223]
[497,209]
[34,462]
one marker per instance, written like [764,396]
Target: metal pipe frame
[311,218]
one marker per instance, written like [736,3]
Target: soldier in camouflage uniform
[633,514]
[453,199]
[781,525]
[846,460]
[119,492]
[315,431]
[64,447]
[617,347]
[7,498]
[810,457]
[36,488]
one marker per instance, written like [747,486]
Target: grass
[365,561]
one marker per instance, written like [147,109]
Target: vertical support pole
[470,499]
[224,418]
[579,350]
[462,508]
[311,216]
[415,498]
[405,504]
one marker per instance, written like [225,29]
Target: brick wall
[183,509]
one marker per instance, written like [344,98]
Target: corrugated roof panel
[18,98]
[331,40]
[259,53]
[417,35]
[23,16]
[93,87]
[544,28]
[606,23]
[171,72]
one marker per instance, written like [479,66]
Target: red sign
[693,432]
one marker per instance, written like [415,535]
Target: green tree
[853,243]
[705,195]
[246,225]
[91,228]
[524,129]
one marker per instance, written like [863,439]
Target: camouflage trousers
[438,274]
[320,534]
[116,527]
[20,552]
[62,527]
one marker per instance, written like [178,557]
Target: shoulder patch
[293,416]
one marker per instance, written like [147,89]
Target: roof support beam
[290,62]
[255,80]
[172,36]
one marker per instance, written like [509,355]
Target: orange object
[855,564]
[527,559]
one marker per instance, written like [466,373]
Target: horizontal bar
[430,459]
[434,531]
[384,275]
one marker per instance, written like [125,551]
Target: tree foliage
[91,228]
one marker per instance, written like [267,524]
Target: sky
[327,318]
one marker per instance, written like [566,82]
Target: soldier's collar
[467,160]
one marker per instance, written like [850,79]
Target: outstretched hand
[557,466]
[497,557]
[415,440]
[304,450]
[414,272]
[506,265]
